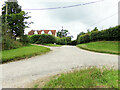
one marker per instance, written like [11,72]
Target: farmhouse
[51,32]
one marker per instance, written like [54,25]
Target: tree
[88,31]
[68,39]
[81,33]
[62,33]
[15,19]
[95,29]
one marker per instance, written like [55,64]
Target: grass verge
[53,45]
[23,52]
[86,78]
[111,47]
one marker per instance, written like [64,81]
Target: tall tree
[62,33]
[15,18]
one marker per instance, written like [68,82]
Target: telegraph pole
[6,18]
[61,31]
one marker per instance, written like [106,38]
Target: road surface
[19,73]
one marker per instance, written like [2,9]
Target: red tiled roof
[39,32]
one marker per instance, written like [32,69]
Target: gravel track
[60,59]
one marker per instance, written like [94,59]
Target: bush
[24,40]
[111,34]
[68,40]
[61,41]
[34,38]
[45,39]
[58,40]
[74,42]
[84,38]
[8,44]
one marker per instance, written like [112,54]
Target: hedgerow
[111,34]
[61,41]
[42,39]
[47,39]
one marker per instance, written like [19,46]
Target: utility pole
[6,19]
[61,31]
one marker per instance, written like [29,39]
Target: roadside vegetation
[111,34]
[102,46]
[53,45]
[23,52]
[104,41]
[13,27]
[49,39]
[91,77]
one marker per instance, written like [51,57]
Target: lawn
[23,52]
[53,45]
[85,78]
[102,46]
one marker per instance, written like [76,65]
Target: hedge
[111,34]
[74,42]
[24,40]
[42,39]
[45,39]
[34,38]
[61,41]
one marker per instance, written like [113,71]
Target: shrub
[74,42]
[34,38]
[111,34]
[25,40]
[45,39]
[68,39]
[10,44]
[58,40]
[84,38]
[61,41]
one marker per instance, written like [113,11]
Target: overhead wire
[77,6]
[67,6]
[103,19]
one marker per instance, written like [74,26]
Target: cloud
[85,14]
[75,19]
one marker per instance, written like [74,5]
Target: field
[91,77]
[102,46]
[23,52]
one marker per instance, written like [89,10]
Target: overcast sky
[75,19]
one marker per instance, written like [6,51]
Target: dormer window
[35,32]
[42,32]
[50,33]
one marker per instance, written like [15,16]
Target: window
[42,32]
[35,32]
[50,32]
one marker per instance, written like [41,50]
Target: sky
[102,14]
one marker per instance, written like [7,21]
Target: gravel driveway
[19,73]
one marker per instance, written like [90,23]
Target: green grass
[53,45]
[36,86]
[86,78]
[102,46]
[23,52]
